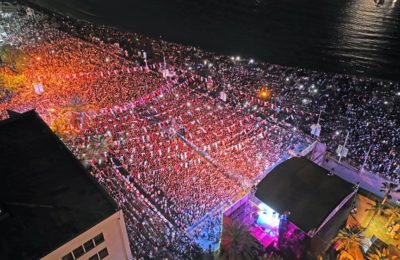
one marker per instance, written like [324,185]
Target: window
[99,239]
[88,245]
[78,252]
[68,257]
[103,253]
[94,257]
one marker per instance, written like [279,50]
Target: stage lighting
[267,216]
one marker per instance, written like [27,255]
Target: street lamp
[365,159]
[342,151]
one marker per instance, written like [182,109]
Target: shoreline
[87,20]
[212,117]
[195,57]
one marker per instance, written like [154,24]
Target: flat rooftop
[304,189]
[46,196]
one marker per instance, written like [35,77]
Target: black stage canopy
[304,189]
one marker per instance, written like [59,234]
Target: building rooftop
[304,189]
[46,196]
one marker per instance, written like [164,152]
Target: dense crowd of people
[74,72]
[155,142]
[148,233]
[367,108]
[185,125]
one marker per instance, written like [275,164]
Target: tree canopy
[13,57]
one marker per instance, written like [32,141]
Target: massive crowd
[156,142]
[150,236]
[74,72]
[367,108]
[166,147]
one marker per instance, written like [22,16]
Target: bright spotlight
[264,93]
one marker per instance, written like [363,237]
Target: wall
[115,239]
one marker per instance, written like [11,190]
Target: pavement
[367,180]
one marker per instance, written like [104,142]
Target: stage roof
[46,196]
[305,190]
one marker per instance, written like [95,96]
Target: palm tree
[349,242]
[272,256]
[377,209]
[60,126]
[388,188]
[75,110]
[13,58]
[380,254]
[240,244]
[76,103]
[394,213]
[65,123]
[95,149]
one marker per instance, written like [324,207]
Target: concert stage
[297,207]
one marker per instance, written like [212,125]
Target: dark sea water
[351,36]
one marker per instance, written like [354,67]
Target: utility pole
[365,159]
[316,128]
[145,58]
[390,166]
[342,153]
[319,116]
[165,63]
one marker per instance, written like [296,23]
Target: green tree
[380,254]
[272,256]
[240,244]
[13,57]
[349,242]
[394,213]
[388,188]
[76,104]
[94,150]
[376,209]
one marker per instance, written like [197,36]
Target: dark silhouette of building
[50,206]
